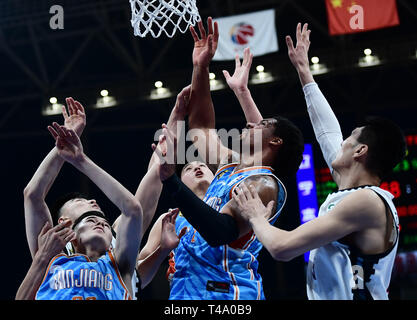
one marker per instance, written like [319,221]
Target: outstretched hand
[169,238]
[299,54]
[239,81]
[67,142]
[205,48]
[181,106]
[75,118]
[166,151]
[249,203]
[52,240]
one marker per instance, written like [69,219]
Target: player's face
[195,173]
[94,230]
[344,157]
[74,208]
[264,129]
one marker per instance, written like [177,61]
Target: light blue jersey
[198,271]
[75,277]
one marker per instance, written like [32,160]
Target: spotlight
[105,101]
[53,108]
[315,60]
[261,76]
[159,92]
[215,84]
[368,60]
[367,52]
[316,67]
[260,68]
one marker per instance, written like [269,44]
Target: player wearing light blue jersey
[217,258]
[70,207]
[228,272]
[92,237]
[76,277]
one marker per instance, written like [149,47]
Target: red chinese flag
[351,16]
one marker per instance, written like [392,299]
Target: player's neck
[201,189]
[356,177]
[90,251]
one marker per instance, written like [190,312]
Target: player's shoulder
[365,197]
[365,203]
[263,181]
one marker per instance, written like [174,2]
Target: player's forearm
[33,279]
[273,239]
[325,124]
[148,267]
[148,194]
[248,105]
[304,74]
[175,124]
[45,175]
[201,110]
[36,210]
[216,228]
[114,191]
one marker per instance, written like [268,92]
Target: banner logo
[241,32]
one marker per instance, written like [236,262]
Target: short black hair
[59,203]
[290,155]
[386,145]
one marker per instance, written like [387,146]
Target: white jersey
[337,271]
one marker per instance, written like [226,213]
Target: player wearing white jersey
[355,237]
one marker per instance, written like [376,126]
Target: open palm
[67,142]
[205,48]
[169,238]
[239,80]
[75,118]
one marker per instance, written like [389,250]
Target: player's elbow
[133,208]
[282,252]
[31,194]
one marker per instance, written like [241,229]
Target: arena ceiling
[97,49]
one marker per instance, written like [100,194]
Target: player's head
[92,230]
[71,206]
[379,144]
[282,138]
[196,174]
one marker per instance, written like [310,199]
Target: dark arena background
[96,55]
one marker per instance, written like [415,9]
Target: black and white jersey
[337,271]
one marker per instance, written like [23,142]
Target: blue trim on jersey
[75,277]
[228,272]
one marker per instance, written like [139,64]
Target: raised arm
[239,84]
[36,210]
[326,127]
[150,187]
[130,224]
[201,109]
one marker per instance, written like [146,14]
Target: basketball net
[168,16]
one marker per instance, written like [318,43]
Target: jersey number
[81,298]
